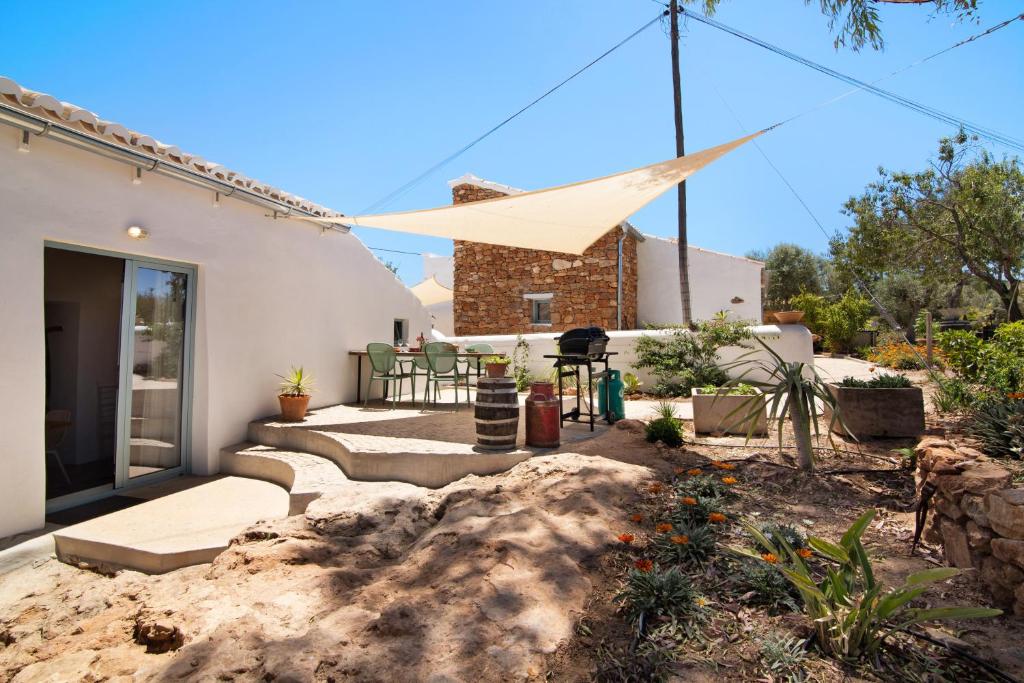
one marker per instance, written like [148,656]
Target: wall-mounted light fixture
[136,176]
[137,233]
[216,200]
[736,300]
[23,144]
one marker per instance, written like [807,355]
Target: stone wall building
[507,290]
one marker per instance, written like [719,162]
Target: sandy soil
[508,577]
[479,580]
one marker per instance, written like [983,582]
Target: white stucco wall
[715,279]
[792,342]
[440,267]
[443,315]
[270,294]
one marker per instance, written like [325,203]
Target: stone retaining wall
[976,515]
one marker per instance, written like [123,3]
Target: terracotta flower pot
[293,408]
[789,317]
[495,370]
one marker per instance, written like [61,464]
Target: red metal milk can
[542,416]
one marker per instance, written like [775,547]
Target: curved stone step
[305,476]
[430,449]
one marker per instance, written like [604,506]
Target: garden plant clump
[688,357]
[877,382]
[666,428]
[987,386]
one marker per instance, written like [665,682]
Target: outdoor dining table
[409,355]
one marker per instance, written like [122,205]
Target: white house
[149,297]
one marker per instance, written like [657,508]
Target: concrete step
[304,476]
[410,445]
[187,527]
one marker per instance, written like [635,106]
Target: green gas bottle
[617,390]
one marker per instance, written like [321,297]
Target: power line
[981,131]
[396,251]
[451,157]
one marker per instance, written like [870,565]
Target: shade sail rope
[387,199]
[977,129]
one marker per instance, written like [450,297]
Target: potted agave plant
[295,393]
[496,366]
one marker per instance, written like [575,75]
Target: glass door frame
[123,425]
[124,398]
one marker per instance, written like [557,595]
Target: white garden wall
[715,280]
[792,342]
[270,294]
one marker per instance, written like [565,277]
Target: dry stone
[978,538]
[954,543]
[974,506]
[992,574]
[949,509]
[1005,512]
[1008,550]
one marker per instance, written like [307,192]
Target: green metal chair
[385,368]
[474,363]
[442,366]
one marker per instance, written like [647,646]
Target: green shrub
[659,593]
[631,383]
[521,364]
[763,584]
[840,322]
[998,423]
[776,533]
[851,614]
[684,544]
[812,305]
[704,486]
[963,352]
[952,394]
[740,389]
[783,657]
[996,365]
[688,357]
[667,430]
[881,381]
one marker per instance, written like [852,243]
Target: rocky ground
[508,577]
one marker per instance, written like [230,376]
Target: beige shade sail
[431,292]
[566,219]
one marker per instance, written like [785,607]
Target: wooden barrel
[497,413]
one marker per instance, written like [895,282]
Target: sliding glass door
[155,371]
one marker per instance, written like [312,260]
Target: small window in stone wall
[540,311]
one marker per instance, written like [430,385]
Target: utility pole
[677,100]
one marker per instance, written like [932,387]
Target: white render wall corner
[715,280]
[270,294]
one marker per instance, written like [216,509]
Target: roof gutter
[42,127]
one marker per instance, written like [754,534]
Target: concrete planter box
[713,412]
[878,412]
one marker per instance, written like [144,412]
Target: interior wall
[91,285]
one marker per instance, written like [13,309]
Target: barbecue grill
[583,347]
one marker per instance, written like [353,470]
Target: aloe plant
[850,611]
[792,389]
[296,383]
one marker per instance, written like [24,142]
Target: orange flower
[644,565]
[626,538]
[689,501]
[695,472]
[681,539]
[655,487]
[726,466]
[716,463]
[663,528]
[636,517]
[769,558]
[716,518]
[804,552]
[729,480]
[1015,394]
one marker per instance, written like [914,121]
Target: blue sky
[343,102]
